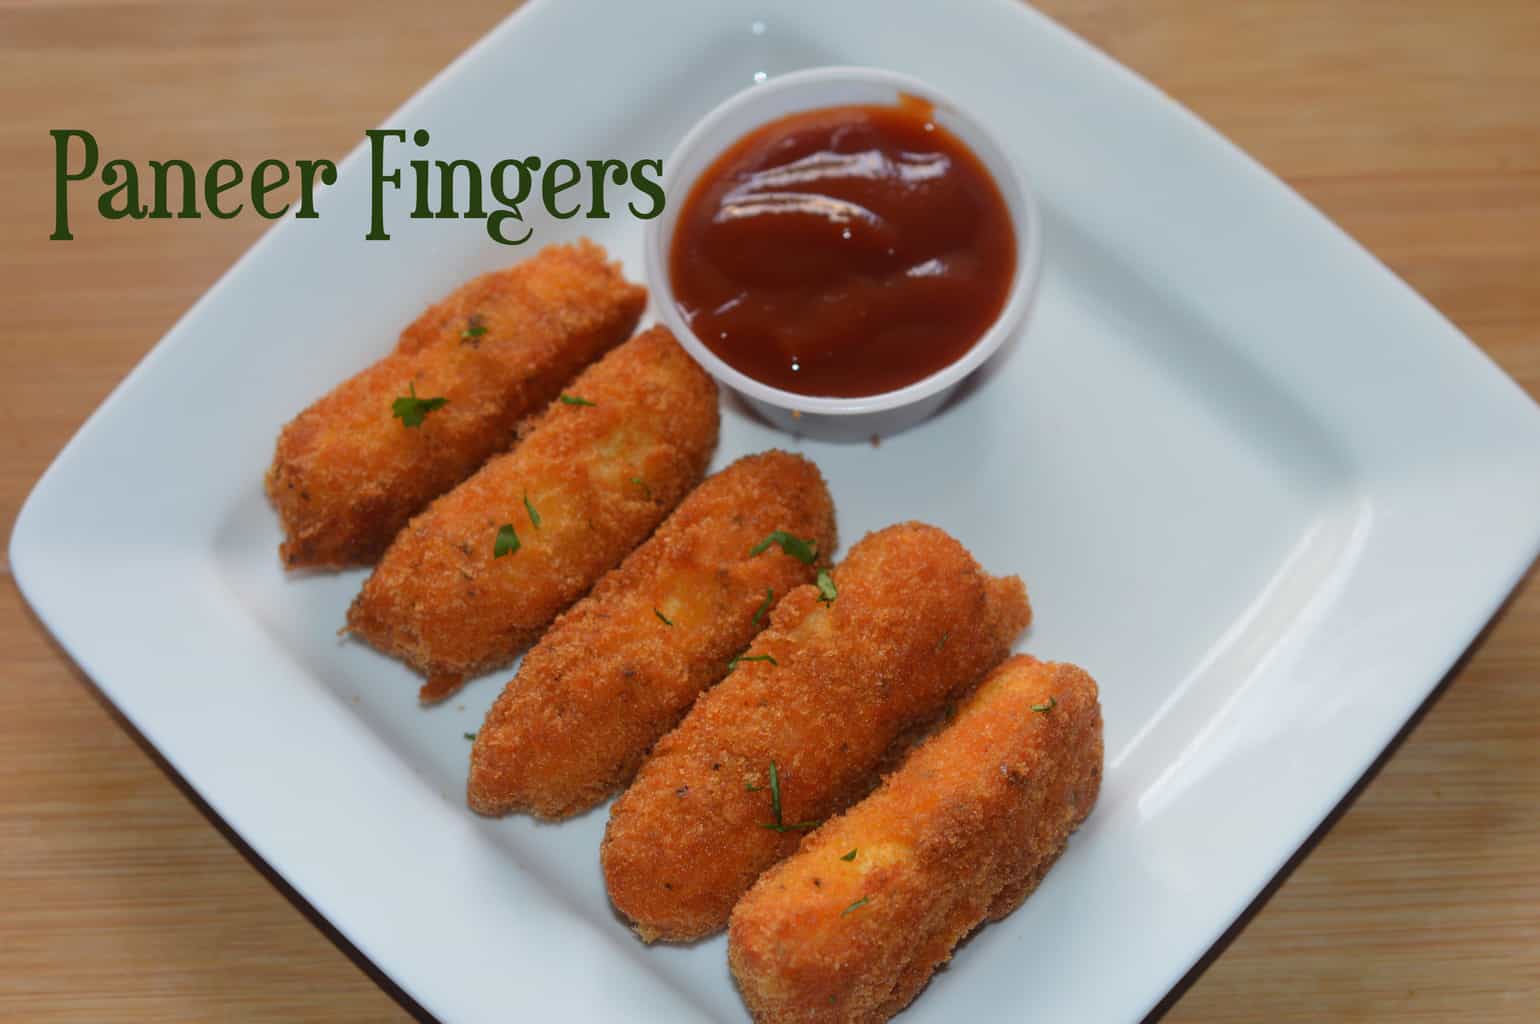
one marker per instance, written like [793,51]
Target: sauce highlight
[843,252]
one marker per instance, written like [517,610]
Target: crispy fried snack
[477,577]
[622,667]
[796,732]
[348,474]
[852,927]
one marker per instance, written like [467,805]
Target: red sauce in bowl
[843,252]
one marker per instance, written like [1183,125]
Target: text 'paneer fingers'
[477,577]
[796,732]
[351,469]
[850,928]
[620,668]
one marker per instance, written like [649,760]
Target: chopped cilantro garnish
[804,551]
[775,807]
[411,410]
[851,855]
[1043,709]
[470,735]
[765,606]
[751,657]
[826,591]
[575,400]
[775,792]
[863,901]
[474,328]
[534,516]
[507,541]
[666,620]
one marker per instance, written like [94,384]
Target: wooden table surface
[1415,125]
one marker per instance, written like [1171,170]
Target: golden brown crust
[916,622]
[963,831]
[600,477]
[347,475]
[611,675]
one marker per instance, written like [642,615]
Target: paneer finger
[907,622]
[852,927]
[476,579]
[620,668]
[352,468]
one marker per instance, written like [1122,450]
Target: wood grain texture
[1414,125]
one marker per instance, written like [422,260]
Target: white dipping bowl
[832,418]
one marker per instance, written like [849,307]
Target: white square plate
[1260,489]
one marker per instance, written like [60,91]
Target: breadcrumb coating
[623,665]
[347,474]
[851,928]
[913,624]
[599,470]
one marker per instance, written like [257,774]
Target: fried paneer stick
[797,731]
[622,667]
[352,469]
[852,927]
[476,578]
